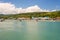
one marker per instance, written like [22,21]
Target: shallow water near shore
[29,30]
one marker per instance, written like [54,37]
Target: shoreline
[31,20]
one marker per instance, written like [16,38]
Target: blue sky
[44,4]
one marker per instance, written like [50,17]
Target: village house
[41,18]
[57,18]
[23,18]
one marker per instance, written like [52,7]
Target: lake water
[29,30]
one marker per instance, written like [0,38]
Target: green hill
[32,14]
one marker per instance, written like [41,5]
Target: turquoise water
[29,30]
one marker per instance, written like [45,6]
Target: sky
[20,6]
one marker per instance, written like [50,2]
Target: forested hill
[32,14]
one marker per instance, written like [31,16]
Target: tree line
[32,14]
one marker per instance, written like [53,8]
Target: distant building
[1,19]
[45,18]
[35,18]
[57,18]
[41,18]
[23,18]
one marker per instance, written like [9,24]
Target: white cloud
[33,9]
[54,10]
[8,8]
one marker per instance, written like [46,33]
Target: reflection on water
[29,30]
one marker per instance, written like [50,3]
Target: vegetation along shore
[32,15]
